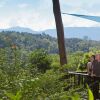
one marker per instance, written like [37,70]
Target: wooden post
[60,31]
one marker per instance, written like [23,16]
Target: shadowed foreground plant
[90,94]
[14,97]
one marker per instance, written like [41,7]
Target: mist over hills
[92,33]
[19,29]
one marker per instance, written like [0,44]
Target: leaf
[10,95]
[18,95]
[90,94]
[14,97]
[76,97]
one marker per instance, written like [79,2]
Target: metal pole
[60,31]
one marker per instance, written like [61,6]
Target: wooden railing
[77,79]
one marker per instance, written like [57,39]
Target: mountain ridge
[92,33]
[19,29]
[30,42]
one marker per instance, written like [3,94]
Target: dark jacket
[96,68]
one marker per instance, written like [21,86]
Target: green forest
[30,68]
[29,42]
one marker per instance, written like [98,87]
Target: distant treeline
[30,42]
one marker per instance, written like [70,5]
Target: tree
[40,60]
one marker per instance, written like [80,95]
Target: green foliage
[55,65]
[90,94]
[40,60]
[82,65]
[37,74]
[16,75]
[75,97]
[14,97]
[65,96]
[74,60]
[30,42]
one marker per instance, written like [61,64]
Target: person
[90,65]
[89,70]
[96,66]
[95,73]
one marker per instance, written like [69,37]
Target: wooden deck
[82,78]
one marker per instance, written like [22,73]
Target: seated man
[95,72]
[96,66]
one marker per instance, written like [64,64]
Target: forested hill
[29,42]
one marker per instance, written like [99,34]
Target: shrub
[40,60]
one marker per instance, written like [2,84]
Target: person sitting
[89,65]
[95,76]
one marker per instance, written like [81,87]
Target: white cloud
[4,24]
[34,20]
[85,7]
[37,21]
[80,6]
[41,17]
[23,5]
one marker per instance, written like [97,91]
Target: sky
[38,14]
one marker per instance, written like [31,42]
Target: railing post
[74,81]
[79,79]
[84,79]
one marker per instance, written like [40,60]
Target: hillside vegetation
[30,69]
[30,42]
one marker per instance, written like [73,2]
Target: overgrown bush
[45,83]
[82,65]
[40,60]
